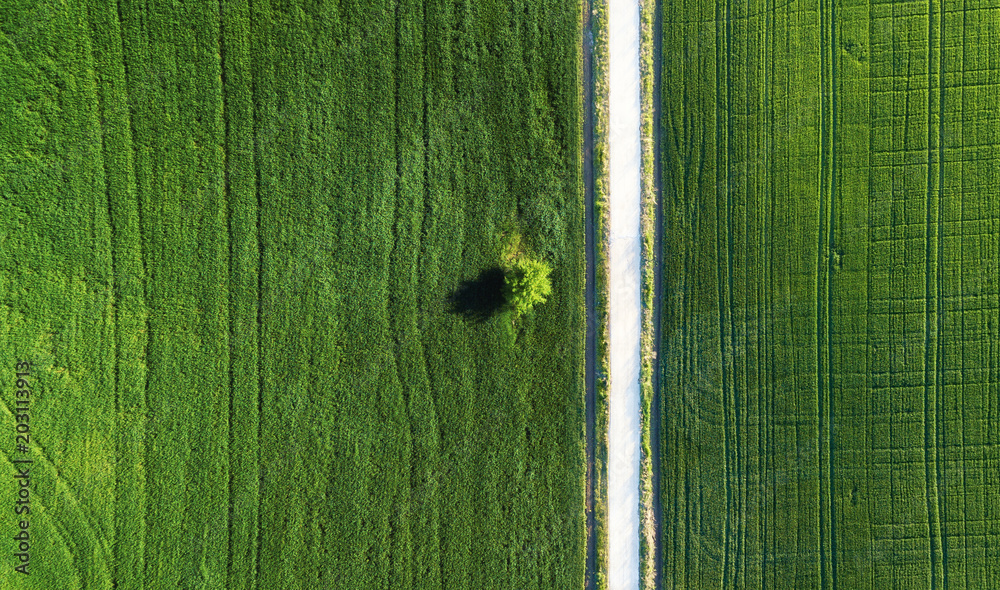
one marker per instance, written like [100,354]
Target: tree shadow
[480,299]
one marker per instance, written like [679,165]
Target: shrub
[527,284]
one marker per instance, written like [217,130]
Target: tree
[527,284]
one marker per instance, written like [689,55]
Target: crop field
[249,256]
[831,317]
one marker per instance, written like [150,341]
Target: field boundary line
[722,207]
[255,96]
[586,74]
[939,316]
[931,336]
[134,245]
[820,249]
[961,289]
[223,81]
[102,102]
[767,296]
[719,54]
[830,253]
[731,413]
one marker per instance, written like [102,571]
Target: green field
[831,328]
[236,244]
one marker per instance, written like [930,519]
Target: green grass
[830,323]
[230,234]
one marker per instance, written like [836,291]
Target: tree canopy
[526,284]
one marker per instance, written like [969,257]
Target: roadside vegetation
[235,241]
[649,363]
[599,30]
